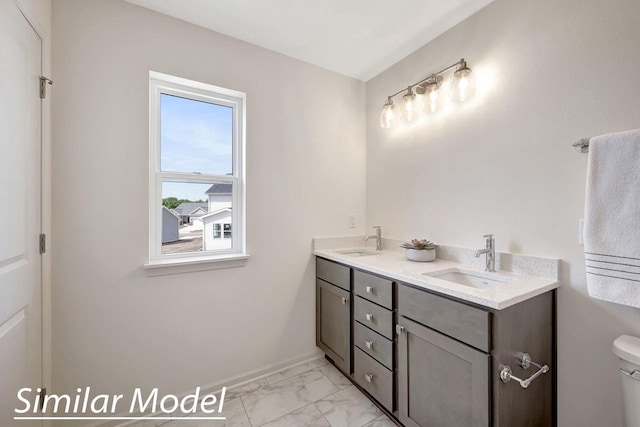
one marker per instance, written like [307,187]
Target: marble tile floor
[314,394]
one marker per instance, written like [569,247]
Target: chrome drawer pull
[369,344]
[344,300]
[631,374]
[369,317]
[525,362]
[368,377]
[369,290]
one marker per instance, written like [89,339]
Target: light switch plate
[352,220]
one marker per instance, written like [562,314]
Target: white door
[20,211]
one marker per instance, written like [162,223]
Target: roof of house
[199,210]
[219,189]
[209,215]
[187,208]
[171,211]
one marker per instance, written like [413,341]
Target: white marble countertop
[393,264]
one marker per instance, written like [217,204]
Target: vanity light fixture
[462,89]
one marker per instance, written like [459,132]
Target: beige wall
[548,73]
[114,327]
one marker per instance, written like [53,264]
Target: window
[196,171]
[217,231]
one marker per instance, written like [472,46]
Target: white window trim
[176,263]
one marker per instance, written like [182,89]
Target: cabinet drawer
[460,321]
[334,273]
[374,378]
[373,316]
[373,288]
[374,344]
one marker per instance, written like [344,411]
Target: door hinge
[43,243]
[44,81]
[43,393]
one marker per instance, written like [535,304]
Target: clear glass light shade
[410,108]
[462,87]
[432,98]
[387,117]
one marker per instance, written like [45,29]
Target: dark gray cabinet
[333,313]
[333,323]
[433,360]
[373,322]
[450,354]
[525,327]
[373,377]
[441,382]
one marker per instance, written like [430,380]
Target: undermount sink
[474,279]
[357,252]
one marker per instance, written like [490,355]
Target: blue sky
[194,137]
[182,190]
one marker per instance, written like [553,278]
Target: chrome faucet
[377,236]
[490,251]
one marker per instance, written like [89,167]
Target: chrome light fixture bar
[462,89]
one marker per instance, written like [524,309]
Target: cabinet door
[441,382]
[333,323]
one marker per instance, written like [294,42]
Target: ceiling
[357,38]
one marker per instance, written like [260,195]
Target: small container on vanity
[420,250]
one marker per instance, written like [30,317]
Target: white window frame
[166,84]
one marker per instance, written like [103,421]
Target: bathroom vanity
[432,352]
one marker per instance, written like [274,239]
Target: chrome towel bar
[525,361]
[582,145]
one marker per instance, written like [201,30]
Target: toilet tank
[627,348]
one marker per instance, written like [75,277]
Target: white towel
[612,218]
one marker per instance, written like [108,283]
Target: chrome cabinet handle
[368,378]
[525,362]
[369,290]
[344,300]
[369,317]
[369,344]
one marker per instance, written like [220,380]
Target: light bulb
[433,101]
[462,87]
[429,93]
[410,110]
[387,117]
[432,95]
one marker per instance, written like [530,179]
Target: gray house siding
[169,226]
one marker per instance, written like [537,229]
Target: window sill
[187,265]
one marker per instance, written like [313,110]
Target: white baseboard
[264,372]
[231,382]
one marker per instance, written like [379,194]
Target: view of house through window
[195,216]
[198,168]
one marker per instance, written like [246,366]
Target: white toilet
[627,348]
